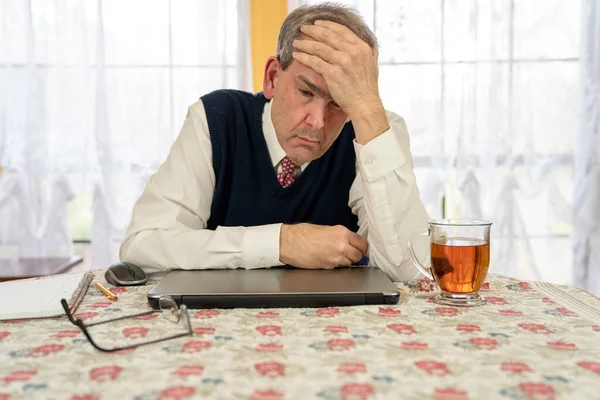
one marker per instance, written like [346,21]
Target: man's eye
[305,93]
[334,104]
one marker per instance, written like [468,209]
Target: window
[489,91]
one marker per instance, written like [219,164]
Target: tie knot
[288,165]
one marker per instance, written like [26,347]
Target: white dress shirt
[168,225]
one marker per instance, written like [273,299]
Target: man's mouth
[308,141]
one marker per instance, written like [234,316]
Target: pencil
[106,292]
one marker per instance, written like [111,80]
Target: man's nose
[316,117]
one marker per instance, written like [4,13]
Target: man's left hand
[348,65]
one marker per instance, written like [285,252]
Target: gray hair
[306,15]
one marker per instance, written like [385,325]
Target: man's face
[306,119]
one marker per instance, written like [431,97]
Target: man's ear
[272,69]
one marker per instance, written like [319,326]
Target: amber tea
[460,258]
[460,265]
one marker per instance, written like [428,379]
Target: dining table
[530,340]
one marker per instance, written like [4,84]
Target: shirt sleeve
[168,224]
[386,200]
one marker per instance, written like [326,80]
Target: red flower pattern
[204,331]
[484,343]
[269,330]
[19,376]
[447,311]
[135,332]
[267,314]
[402,329]
[425,285]
[328,312]
[177,392]
[388,312]
[189,370]
[485,287]
[515,367]
[100,304]
[433,368]
[67,334]
[86,396]
[592,366]
[511,313]
[536,328]
[449,394]
[269,348]
[496,300]
[105,374]
[45,350]
[273,369]
[339,344]
[562,346]
[195,346]
[415,346]
[207,314]
[537,390]
[336,329]
[352,368]
[566,312]
[356,391]
[266,395]
[525,286]
[270,369]
[468,328]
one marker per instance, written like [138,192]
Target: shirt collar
[275,150]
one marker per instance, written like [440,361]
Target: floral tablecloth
[531,341]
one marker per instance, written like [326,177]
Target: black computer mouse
[125,274]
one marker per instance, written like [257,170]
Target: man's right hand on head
[320,247]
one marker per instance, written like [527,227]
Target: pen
[106,292]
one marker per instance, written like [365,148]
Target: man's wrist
[284,234]
[369,122]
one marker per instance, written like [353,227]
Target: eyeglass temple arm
[89,338]
[63,302]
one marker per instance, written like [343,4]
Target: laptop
[276,287]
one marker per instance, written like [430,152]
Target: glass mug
[460,258]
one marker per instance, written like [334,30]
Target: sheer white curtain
[92,94]
[490,92]
[587,156]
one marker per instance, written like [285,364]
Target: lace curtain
[586,235]
[92,94]
[490,91]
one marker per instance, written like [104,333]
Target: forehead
[305,76]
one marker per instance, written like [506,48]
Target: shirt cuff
[261,246]
[381,155]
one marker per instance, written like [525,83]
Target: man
[312,172]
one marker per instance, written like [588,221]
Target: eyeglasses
[168,308]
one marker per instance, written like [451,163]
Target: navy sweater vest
[247,192]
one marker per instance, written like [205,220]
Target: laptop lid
[276,287]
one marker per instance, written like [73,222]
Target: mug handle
[422,269]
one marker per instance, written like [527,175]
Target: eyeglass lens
[169,308]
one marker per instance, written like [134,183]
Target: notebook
[40,297]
